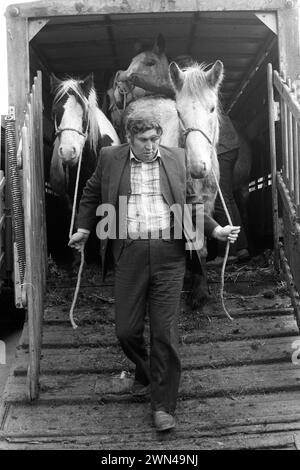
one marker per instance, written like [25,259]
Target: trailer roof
[105,43]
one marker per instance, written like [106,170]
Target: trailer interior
[245,42]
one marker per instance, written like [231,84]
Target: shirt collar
[133,157]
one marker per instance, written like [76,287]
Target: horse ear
[138,47]
[54,83]
[87,84]
[176,75]
[160,45]
[216,74]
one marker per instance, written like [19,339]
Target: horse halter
[59,130]
[188,130]
[124,89]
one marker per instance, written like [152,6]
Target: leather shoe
[163,421]
[140,390]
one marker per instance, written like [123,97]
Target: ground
[239,387]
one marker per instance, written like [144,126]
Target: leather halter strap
[188,130]
[59,130]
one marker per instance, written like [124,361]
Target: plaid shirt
[147,210]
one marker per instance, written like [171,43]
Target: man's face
[145,144]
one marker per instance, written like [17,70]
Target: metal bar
[273,165]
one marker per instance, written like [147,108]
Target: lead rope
[226,251]
[74,325]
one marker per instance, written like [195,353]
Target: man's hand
[78,240]
[228,233]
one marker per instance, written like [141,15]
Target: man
[148,271]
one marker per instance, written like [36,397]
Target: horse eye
[212,109]
[149,63]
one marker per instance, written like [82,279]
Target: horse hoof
[197,301]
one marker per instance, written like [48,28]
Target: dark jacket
[111,179]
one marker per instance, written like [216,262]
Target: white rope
[74,325]
[226,251]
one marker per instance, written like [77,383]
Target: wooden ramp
[239,387]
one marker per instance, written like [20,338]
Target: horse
[81,129]
[149,73]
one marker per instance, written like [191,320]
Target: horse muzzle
[68,156]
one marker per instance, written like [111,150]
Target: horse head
[71,111]
[151,64]
[196,91]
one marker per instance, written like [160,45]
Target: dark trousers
[227,161]
[150,273]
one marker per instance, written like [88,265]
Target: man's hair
[135,126]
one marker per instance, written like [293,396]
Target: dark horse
[81,129]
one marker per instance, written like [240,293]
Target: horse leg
[242,197]
[199,288]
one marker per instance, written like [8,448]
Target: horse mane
[90,103]
[195,78]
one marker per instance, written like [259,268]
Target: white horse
[81,129]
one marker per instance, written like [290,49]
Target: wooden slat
[211,355]
[260,441]
[18,66]
[292,275]
[2,182]
[203,383]
[288,40]
[2,219]
[34,226]
[288,97]
[284,128]
[2,216]
[290,149]
[93,7]
[273,165]
[208,330]
[81,38]
[254,422]
[296,156]
[2,256]
[105,314]
[288,204]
